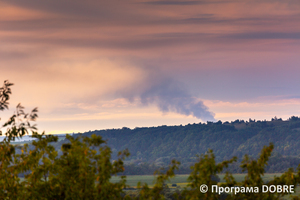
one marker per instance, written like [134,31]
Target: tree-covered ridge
[162,144]
[83,167]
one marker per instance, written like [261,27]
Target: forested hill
[161,144]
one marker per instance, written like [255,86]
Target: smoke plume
[170,96]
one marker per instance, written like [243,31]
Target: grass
[241,177]
[132,180]
[181,180]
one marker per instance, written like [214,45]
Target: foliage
[160,145]
[158,190]
[82,172]
[202,172]
[84,168]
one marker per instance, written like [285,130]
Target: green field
[240,177]
[180,180]
[133,180]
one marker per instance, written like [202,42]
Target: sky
[91,65]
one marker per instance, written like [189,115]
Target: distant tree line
[84,167]
[159,145]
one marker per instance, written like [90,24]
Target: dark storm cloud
[171,2]
[292,97]
[271,20]
[13,54]
[145,42]
[149,29]
[134,42]
[91,14]
[212,19]
[76,8]
[55,24]
[34,25]
[265,35]
[90,7]
[90,22]
[109,13]
[175,2]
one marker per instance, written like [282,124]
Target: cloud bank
[64,56]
